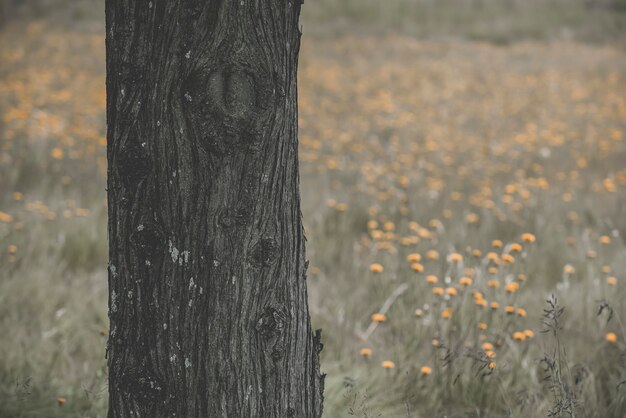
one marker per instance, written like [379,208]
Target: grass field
[450,187]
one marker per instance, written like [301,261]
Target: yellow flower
[431,278]
[611,337]
[465,281]
[376,268]
[366,352]
[528,237]
[379,317]
[425,370]
[413,257]
[388,364]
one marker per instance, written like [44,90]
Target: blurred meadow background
[463,177]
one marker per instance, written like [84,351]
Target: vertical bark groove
[207,302]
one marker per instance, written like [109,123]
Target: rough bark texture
[207,300]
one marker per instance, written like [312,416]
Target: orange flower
[512,287]
[521,312]
[604,239]
[515,247]
[431,278]
[425,370]
[519,336]
[451,291]
[492,365]
[455,257]
[611,280]
[379,317]
[528,333]
[490,354]
[494,305]
[569,269]
[509,309]
[366,352]
[465,281]
[438,291]
[508,258]
[388,364]
[493,284]
[56,153]
[447,313]
[491,256]
[496,243]
[611,337]
[482,326]
[481,302]
[376,268]
[413,257]
[5,217]
[61,400]
[432,255]
[487,346]
[417,267]
[528,237]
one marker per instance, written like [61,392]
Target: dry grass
[406,147]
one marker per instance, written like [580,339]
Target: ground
[449,188]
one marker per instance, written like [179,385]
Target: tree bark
[207,292]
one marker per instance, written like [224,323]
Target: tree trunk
[207,292]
